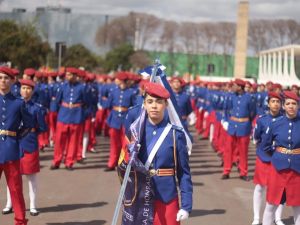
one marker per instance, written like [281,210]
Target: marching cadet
[53,108]
[30,164]
[242,112]
[13,114]
[282,142]
[166,161]
[71,98]
[119,100]
[263,159]
[183,100]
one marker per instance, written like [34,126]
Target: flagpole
[128,167]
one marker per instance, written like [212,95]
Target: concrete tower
[241,43]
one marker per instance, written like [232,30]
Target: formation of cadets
[67,110]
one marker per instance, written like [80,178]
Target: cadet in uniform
[242,112]
[119,100]
[71,98]
[13,114]
[282,141]
[183,100]
[263,159]
[171,160]
[30,163]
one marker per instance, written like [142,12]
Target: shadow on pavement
[204,212]
[288,221]
[94,222]
[198,184]
[60,208]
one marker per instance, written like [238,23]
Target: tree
[118,58]
[21,45]
[139,60]
[78,55]
[225,38]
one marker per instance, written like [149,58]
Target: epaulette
[177,127]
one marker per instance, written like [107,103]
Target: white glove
[93,119]
[225,125]
[99,106]
[206,114]
[182,215]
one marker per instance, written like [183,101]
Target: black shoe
[34,212]
[81,161]
[7,210]
[225,177]
[70,168]
[54,167]
[245,178]
[108,169]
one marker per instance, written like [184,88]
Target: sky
[179,10]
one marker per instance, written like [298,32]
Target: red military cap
[29,72]
[72,70]
[52,74]
[291,95]
[122,76]
[8,71]
[273,94]
[15,71]
[90,76]
[27,82]
[81,73]
[240,82]
[142,83]
[277,86]
[38,74]
[156,90]
[249,83]
[182,82]
[254,86]
[295,86]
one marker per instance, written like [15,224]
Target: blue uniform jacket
[52,95]
[240,106]
[259,133]
[284,132]
[13,116]
[29,142]
[184,104]
[15,89]
[165,188]
[119,98]
[71,94]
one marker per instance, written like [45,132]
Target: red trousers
[67,140]
[14,182]
[222,139]
[216,135]
[241,145]
[208,121]
[165,214]
[89,127]
[116,138]
[52,124]
[199,121]
[100,121]
[80,143]
[43,138]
